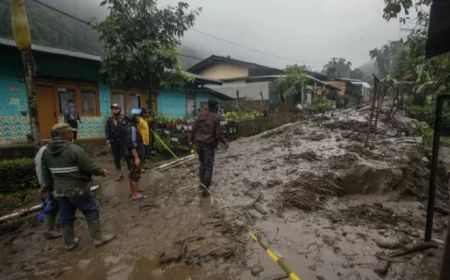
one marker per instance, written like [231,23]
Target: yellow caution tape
[252,235]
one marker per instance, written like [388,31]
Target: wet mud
[331,208]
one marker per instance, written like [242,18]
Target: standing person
[134,145]
[115,139]
[52,207]
[206,135]
[72,117]
[145,134]
[67,169]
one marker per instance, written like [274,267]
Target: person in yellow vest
[145,134]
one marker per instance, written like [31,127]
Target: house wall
[250,91]
[14,117]
[172,103]
[223,70]
[341,85]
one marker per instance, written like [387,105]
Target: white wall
[250,91]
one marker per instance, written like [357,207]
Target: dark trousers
[119,152]
[73,124]
[85,203]
[206,155]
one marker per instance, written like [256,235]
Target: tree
[384,56]
[290,86]
[357,74]
[139,43]
[338,67]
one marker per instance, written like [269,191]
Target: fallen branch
[414,249]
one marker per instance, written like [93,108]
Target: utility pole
[21,32]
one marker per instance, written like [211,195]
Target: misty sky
[308,31]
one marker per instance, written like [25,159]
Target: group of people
[64,169]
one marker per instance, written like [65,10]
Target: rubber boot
[70,240]
[51,233]
[99,238]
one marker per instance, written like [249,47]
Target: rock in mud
[273,182]
[365,179]
[382,268]
[256,270]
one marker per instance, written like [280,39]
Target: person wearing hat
[72,117]
[206,135]
[133,142]
[115,139]
[67,170]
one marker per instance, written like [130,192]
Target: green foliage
[139,41]
[422,129]
[344,101]
[321,106]
[173,145]
[235,116]
[17,175]
[385,56]
[291,83]
[339,67]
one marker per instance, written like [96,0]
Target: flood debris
[308,192]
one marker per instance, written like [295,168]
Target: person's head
[115,109]
[143,113]
[70,103]
[62,131]
[212,105]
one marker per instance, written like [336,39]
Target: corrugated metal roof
[50,50]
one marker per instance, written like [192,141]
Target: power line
[195,30]
[62,12]
[250,48]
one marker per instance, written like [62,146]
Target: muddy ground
[330,207]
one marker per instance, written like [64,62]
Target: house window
[190,104]
[134,101]
[64,96]
[88,102]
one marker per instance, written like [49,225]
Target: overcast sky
[302,31]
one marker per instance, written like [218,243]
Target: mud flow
[329,206]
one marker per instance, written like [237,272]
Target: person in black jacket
[115,130]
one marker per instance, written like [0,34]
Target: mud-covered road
[331,208]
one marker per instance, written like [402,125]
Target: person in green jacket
[67,171]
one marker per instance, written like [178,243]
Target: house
[234,74]
[254,82]
[63,75]
[356,89]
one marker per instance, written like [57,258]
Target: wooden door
[46,109]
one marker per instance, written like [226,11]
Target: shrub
[321,106]
[17,175]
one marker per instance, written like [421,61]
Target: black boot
[99,238]
[70,240]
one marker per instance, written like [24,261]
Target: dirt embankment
[330,207]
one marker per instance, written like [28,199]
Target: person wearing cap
[115,139]
[67,170]
[134,145]
[142,124]
[206,135]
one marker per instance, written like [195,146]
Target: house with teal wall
[63,75]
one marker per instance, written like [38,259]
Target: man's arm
[86,164]
[194,129]
[47,179]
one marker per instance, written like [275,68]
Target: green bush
[321,106]
[17,175]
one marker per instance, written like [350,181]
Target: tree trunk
[27,61]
